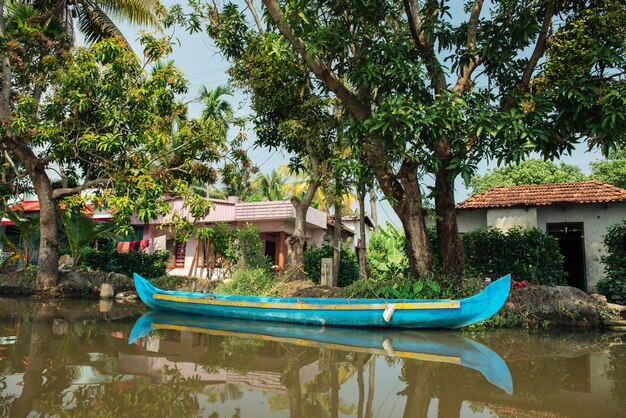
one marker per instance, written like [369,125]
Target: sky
[197,56]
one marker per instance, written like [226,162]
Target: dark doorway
[571,238]
[270,251]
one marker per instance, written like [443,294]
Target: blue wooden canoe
[404,313]
[431,346]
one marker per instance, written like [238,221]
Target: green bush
[348,267]
[527,254]
[250,246]
[248,282]
[613,285]
[149,265]
[169,282]
[400,288]
[386,255]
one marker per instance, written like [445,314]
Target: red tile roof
[26,206]
[545,195]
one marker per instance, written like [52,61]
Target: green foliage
[527,254]
[169,281]
[386,254]
[611,170]
[81,231]
[176,397]
[348,267]
[434,287]
[223,241]
[248,282]
[613,285]
[250,246]
[28,227]
[533,171]
[28,276]
[148,264]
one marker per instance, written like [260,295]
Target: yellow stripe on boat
[452,304]
[315,344]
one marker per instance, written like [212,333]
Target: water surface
[73,358]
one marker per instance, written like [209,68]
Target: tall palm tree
[272,186]
[97,19]
[216,109]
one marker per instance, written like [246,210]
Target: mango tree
[101,119]
[436,87]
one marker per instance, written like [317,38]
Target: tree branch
[66,191]
[321,71]
[255,15]
[411,8]
[540,46]
[5,99]
[470,45]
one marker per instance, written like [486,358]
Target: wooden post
[281,250]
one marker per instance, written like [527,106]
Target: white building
[577,214]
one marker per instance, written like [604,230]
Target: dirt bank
[72,283]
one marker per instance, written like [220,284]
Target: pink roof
[225,211]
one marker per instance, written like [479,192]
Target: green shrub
[223,239]
[386,255]
[400,288]
[613,285]
[527,254]
[248,282]
[348,267]
[169,282]
[250,246]
[28,276]
[147,264]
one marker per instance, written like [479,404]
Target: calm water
[73,358]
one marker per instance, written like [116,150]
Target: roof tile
[545,195]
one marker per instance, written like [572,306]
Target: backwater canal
[73,358]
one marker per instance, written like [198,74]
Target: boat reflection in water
[72,358]
[430,346]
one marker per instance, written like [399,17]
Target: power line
[388,217]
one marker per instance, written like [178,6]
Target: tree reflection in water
[87,368]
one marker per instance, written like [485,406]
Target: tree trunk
[450,245]
[361,245]
[371,385]
[403,189]
[47,269]
[295,243]
[373,209]
[40,337]
[291,379]
[419,390]
[334,384]
[337,241]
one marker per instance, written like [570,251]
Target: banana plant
[81,231]
[28,228]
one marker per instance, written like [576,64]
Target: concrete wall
[596,218]
[508,218]
[468,220]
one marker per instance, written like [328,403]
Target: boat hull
[401,313]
